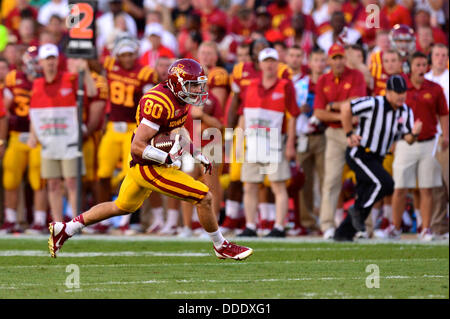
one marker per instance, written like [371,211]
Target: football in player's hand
[163,141]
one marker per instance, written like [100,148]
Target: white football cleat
[329,233]
[426,235]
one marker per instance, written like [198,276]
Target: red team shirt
[331,89]
[160,109]
[17,82]
[279,98]
[59,93]
[427,103]
[126,88]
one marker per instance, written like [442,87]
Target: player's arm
[3,130]
[140,142]
[89,82]
[95,115]
[232,112]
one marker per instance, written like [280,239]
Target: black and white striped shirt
[379,124]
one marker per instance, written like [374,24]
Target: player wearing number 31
[161,110]
[382,120]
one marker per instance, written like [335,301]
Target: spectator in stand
[209,13]
[310,134]
[10,54]
[322,14]
[396,13]
[382,44]
[422,18]
[154,32]
[369,33]
[436,8]
[264,25]
[243,53]
[218,82]
[4,69]
[59,7]
[193,23]
[356,59]
[351,8]
[294,59]
[105,24]
[57,28]
[134,9]
[416,163]
[300,35]
[439,74]
[191,45]
[27,32]
[22,10]
[281,48]
[279,10]
[424,40]
[296,8]
[339,33]
[334,88]
[392,64]
[161,67]
[243,23]
[53,102]
[180,14]
[168,38]
[120,26]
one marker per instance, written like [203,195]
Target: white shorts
[415,166]
[256,172]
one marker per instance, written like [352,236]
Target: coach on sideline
[382,120]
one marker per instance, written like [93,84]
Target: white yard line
[140,238]
[230,263]
[42,253]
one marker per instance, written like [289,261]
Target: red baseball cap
[336,49]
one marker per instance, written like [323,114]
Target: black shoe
[338,237]
[357,219]
[248,233]
[276,233]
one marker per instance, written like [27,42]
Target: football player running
[161,110]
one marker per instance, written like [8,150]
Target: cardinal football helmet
[187,80]
[402,39]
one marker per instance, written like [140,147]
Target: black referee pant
[373,182]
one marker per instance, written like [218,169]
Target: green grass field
[146,267]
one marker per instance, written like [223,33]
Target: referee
[382,120]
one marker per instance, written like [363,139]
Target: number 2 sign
[81,25]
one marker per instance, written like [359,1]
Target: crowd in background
[314,39]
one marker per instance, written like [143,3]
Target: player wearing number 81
[161,110]
[127,81]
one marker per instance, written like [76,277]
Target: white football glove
[173,160]
[207,165]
